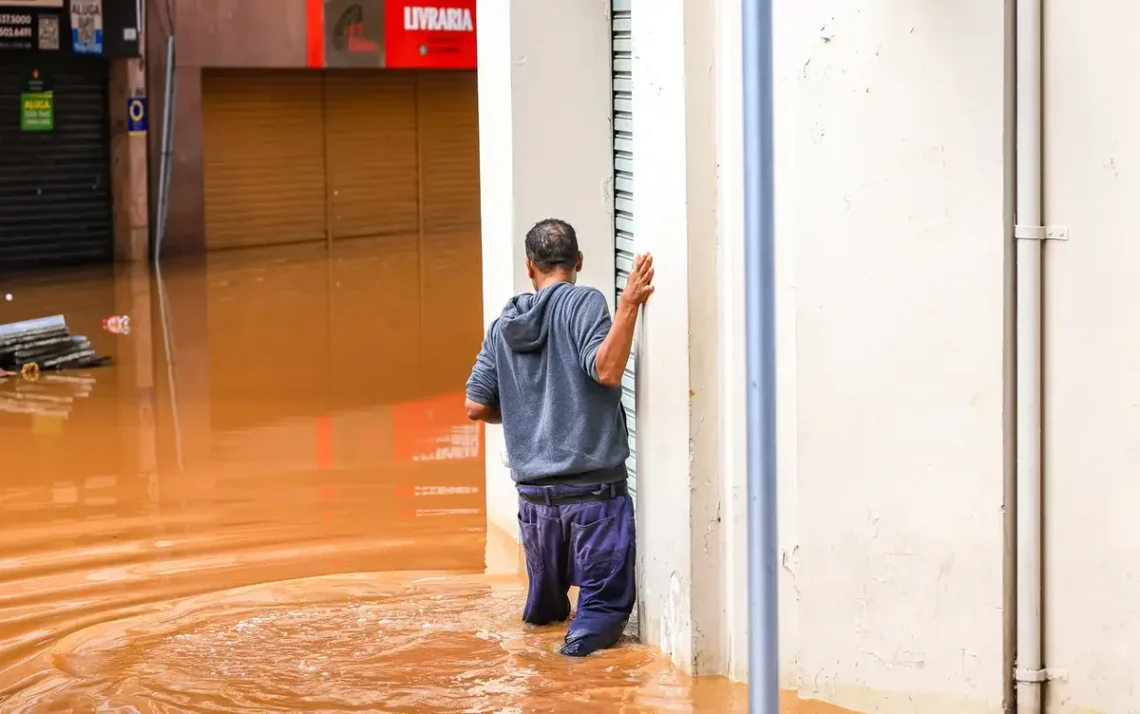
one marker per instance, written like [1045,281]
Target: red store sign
[397,34]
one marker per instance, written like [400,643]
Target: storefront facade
[69,169]
[335,120]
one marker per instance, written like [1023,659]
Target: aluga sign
[437,19]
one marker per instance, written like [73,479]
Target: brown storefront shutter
[263,156]
[371,142]
[449,151]
[55,186]
[450,250]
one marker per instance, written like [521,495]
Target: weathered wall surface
[241,33]
[891,264]
[890,299]
[129,185]
[1092,347]
[732,447]
[892,202]
[674,186]
[208,33]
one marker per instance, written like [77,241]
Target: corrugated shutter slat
[623,197]
[449,134]
[371,142]
[451,269]
[55,186]
[264,157]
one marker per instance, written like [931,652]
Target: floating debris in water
[44,344]
[117,324]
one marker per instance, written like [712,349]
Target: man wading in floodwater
[550,371]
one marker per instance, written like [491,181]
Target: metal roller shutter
[264,157]
[370,129]
[55,192]
[448,118]
[450,264]
[623,198]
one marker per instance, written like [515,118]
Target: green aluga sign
[37,103]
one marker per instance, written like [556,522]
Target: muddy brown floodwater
[271,502]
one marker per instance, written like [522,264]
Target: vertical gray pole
[759,276]
[166,146]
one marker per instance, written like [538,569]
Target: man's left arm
[482,402]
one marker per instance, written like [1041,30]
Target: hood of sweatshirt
[524,324]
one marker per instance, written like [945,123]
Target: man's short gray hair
[552,244]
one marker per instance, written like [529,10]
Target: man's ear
[530,269]
[578,267]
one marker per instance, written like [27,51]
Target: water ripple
[361,643]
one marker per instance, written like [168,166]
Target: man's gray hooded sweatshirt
[538,365]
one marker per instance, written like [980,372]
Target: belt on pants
[596,493]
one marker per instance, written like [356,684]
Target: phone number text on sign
[16,31]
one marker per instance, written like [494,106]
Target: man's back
[538,365]
[550,371]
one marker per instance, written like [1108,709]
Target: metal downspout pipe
[166,158]
[1029,236]
[760,350]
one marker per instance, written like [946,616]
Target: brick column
[129,184]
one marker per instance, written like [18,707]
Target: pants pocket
[599,546]
[532,545]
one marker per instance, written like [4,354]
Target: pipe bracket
[1037,676]
[1041,232]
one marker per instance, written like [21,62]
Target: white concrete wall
[661,226]
[674,218]
[731,446]
[545,151]
[731,365]
[1092,349]
[890,267]
[889,120]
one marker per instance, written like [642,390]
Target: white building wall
[731,365]
[890,122]
[545,151]
[731,447]
[1092,349]
[681,587]
[890,317]
[661,216]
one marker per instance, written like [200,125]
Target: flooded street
[271,502]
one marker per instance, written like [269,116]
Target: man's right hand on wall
[639,286]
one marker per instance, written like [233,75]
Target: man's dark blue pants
[591,545]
